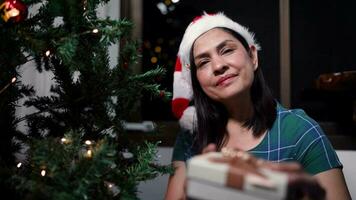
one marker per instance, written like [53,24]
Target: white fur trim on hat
[188,119]
[182,88]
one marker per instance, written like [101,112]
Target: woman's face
[224,67]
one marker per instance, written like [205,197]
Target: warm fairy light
[88,142]
[7,85]
[48,52]
[110,185]
[19,165]
[89,153]
[85,5]
[64,140]
[95,30]
[175,1]
[158,49]
[43,172]
[154,59]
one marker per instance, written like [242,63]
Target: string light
[113,189]
[13,80]
[95,30]
[43,172]
[158,49]
[154,59]
[19,165]
[89,153]
[85,5]
[88,142]
[48,52]
[65,141]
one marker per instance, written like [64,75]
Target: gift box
[211,180]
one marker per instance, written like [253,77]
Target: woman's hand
[210,148]
[300,184]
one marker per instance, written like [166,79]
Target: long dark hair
[212,116]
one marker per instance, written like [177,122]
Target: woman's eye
[224,51]
[201,63]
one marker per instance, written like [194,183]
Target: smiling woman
[232,107]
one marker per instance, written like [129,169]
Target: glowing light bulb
[88,142]
[19,165]
[48,52]
[95,30]
[64,140]
[89,153]
[43,172]
[154,59]
[13,80]
[158,49]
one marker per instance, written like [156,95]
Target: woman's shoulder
[294,117]
[295,124]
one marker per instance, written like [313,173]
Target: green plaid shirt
[294,136]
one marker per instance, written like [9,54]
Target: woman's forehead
[211,39]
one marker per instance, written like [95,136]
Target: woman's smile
[226,80]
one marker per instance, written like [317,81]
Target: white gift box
[208,180]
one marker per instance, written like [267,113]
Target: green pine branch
[89,100]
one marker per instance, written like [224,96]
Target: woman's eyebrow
[218,47]
[202,55]
[222,44]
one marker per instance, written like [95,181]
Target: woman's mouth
[226,80]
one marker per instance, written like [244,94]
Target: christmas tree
[78,145]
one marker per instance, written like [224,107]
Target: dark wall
[323,40]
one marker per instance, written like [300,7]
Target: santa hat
[182,87]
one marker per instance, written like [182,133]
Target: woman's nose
[219,66]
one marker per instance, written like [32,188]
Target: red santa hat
[182,88]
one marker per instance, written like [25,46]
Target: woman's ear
[254,56]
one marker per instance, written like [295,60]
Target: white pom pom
[188,119]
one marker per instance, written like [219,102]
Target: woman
[218,59]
